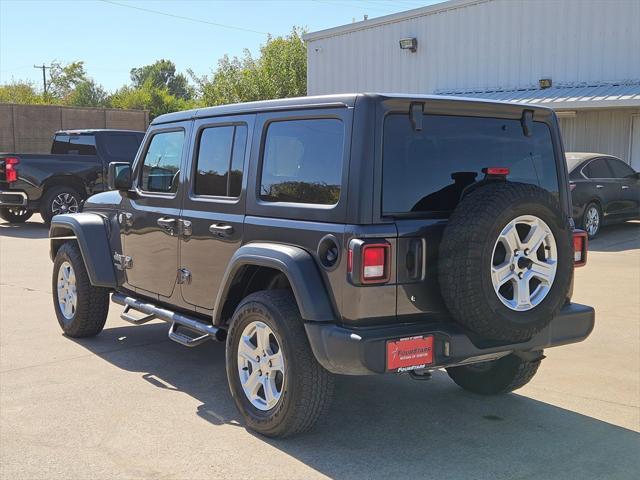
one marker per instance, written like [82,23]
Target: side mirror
[119,176]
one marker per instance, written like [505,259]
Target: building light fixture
[545,83]
[409,44]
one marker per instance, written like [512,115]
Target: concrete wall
[599,130]
[29,128]
[483,44]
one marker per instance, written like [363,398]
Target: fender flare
[299,267]
[91,234]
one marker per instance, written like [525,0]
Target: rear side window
[122,146]
[427,170]
[302,161]
[220,161]
[620,169]
[161,166]
[65,144]
[597,169]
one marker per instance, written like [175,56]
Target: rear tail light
[580,247]
[572,186]
[369,262]
[10,172]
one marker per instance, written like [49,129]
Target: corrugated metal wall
[490,44]
[29,128]
[601,131]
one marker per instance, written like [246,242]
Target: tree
[20,92]
[147,97]
[87,94]
[65,78]
[279,72]
[162,74]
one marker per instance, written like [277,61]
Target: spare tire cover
[506,260]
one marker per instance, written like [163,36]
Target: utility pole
[44,75]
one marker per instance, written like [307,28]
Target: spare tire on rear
[506,260]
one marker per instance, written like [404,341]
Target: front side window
[621,169]
[302,161]
[597,169]
[65,144]
[161,165]
[427,170]
[220,161]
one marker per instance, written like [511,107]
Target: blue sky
[112,39]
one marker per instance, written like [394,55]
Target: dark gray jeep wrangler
[351,234]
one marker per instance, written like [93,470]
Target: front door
[151,225]
[213,205]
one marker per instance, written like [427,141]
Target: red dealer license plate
[409,353]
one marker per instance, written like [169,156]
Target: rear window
[302,161]
[122,146]
[427,170]
[65,144]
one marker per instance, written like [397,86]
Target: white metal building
[586,53]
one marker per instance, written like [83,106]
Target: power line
[362,6]
[180,17]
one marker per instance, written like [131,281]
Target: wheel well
[66,181]
[250,279]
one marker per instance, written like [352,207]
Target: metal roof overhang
[563,97]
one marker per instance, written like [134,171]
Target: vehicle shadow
[617,238]
[29,229]
[389,426]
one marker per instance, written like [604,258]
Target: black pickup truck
[57,183]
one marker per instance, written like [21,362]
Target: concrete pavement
[132,404]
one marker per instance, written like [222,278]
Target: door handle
[599,186]
[625,187]
[221,230]
[167,223]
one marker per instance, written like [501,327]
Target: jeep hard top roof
[318,101]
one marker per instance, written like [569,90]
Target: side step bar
[176,320]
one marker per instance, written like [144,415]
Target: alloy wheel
[67,291]
[524,263]
[592,221]
[64,203]
[261,366]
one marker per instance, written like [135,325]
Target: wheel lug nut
[526,251]
[520,275]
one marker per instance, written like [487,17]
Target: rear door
[424,174]
[629,188]
[213,205]
[604,187]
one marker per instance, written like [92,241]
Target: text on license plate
[409,353]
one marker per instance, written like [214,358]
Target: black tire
[495,377]
[586,225]
[15,214]
[307,387]
[92,307]
[467,254]
[50,202]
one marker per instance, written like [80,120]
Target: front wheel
[15,214]
[503,375]
[80,307]
[276,382]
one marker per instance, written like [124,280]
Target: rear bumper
[362,351]
[13,199]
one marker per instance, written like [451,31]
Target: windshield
[427,170]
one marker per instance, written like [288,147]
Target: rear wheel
[497,376]
[80,307]
[15,214]
[592,220]
[276,382]
[58,200]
